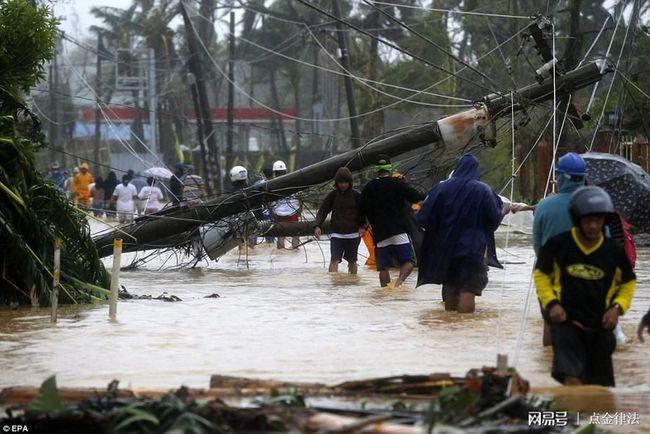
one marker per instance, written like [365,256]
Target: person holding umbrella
[150,197]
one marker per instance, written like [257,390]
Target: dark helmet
[590,200]
[571,164]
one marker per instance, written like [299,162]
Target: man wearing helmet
[287,209]
[238,178]
[56,176]
[552,213]
[585,282]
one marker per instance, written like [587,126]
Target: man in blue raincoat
[459,217]
[552,213]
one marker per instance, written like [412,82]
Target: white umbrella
[159,172]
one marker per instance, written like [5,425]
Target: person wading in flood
[343,203]
[124,197]
[459,217]
[644,325]
[80,186]
[552,213]
[586,282]
[382,205]
[286,209]
[176,184]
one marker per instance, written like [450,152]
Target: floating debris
[125,295]
[476,403]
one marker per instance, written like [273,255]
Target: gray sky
[76,17]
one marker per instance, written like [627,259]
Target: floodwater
[280,315]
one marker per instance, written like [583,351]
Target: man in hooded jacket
[459,217]
[343,203]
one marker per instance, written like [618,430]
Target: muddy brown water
[280,315]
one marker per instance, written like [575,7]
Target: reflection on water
[285,317]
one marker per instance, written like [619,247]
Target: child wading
[343,203]
[585,281]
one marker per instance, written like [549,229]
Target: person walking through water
[109,187]
[343,203]
[644,325]
[586,282]
[125,195]
[56,176]
[238,178]
[552,213]
[176,184]
[382,204]
[459,217]
[98,193]
[80,186]
[150,196]
[286,209]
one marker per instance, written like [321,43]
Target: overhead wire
[604,65]
[611,84]
[451,11]
[512,192]
[267,107]
[127,146]
[396,47]
[593,44]
[347,73]
[429,41]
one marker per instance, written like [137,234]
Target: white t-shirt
[395,240]
[151,196]
[124,194]
[286,206]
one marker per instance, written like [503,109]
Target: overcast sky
[76,17]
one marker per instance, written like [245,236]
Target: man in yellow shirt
[80,186]
[585,282]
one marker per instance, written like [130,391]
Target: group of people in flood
[136,194]
[584,269]
[583,272]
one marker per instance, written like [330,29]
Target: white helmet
[279,166]
[238,173]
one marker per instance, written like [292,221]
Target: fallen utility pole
[453,133]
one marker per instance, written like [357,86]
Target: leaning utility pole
[202,93]
[205,167]
[231,93]
[153,102]
[342,36]
[57,86]
[98,110]
[51,131]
